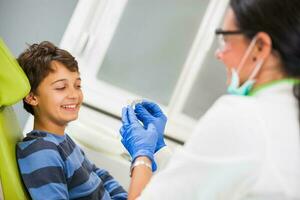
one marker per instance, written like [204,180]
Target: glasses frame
[220,31]
[220,34]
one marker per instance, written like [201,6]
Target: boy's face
[59,96]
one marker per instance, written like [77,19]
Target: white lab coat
[243,148]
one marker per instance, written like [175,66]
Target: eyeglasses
[219,31]
[220,34]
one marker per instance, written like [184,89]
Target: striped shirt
[54,167]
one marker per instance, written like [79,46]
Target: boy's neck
[49,127]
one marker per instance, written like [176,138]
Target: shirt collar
[274,85]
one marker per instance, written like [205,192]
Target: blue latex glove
[150,113]
[136,139]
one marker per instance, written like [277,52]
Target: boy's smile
[70,107]
[57,99]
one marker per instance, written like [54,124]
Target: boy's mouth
[70,107]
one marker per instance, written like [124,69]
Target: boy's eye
[78,86]
[60,88]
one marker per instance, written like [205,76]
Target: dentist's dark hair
[280,19]
[36,62]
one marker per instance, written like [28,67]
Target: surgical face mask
[243,90]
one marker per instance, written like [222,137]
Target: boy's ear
[31,99]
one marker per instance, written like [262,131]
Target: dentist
[247,146]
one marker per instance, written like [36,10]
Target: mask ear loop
[246,55]
[256,69]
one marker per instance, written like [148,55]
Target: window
[159,50]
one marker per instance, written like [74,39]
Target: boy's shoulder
[47,144]
[38,152]
[36,141]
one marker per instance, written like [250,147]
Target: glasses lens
[222,43]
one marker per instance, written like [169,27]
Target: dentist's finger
[125,119]
[131,116]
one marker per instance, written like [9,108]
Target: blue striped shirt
[54,167]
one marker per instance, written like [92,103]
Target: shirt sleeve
[112,186]
[221,160]
[42,170]
[115,190]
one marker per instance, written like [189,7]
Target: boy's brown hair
[36,62]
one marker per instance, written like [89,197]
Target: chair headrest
[14,84]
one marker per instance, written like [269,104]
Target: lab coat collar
[274,86]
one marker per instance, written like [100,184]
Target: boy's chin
[70,119]
[73,118]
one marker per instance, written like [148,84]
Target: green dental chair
[13,87]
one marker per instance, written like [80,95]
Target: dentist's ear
[31,99]
[264,45]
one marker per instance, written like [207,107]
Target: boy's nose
[73,93]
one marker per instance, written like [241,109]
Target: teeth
[69,106]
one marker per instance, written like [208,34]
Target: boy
[51,164]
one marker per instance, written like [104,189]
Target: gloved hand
[150,113]
[136,139]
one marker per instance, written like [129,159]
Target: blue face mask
[234,86]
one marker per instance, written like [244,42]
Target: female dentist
[247,146]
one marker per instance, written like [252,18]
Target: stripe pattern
[55,167]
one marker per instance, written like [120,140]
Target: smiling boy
[51,164]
